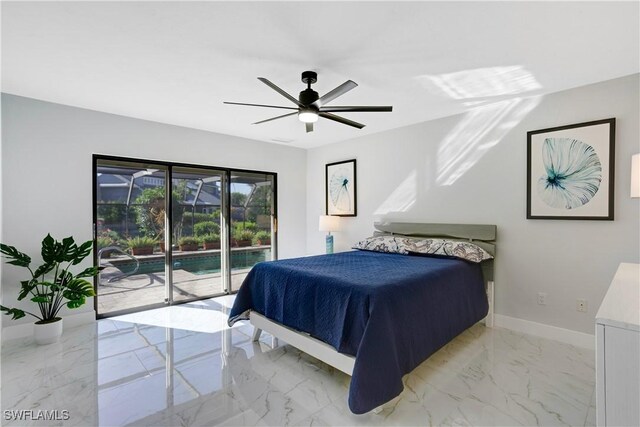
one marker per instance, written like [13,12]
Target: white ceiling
[176,62]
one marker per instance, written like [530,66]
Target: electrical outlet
[542,298]
[581,305]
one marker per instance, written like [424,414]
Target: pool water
[199,265]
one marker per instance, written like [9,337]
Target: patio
[145,288]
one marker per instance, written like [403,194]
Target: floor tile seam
[586,415]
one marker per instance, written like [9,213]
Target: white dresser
[618,350]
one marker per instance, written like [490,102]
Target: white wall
[47,178]
[411,174]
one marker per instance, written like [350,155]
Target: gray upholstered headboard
[480,234]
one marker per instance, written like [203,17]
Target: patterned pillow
[440,247]
[464,250]
[390,244]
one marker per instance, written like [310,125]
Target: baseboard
[578,339]
[24,330]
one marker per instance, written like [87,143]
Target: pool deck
[147,289]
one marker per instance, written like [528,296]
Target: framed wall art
[570,171]
[340,187]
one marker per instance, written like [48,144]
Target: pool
[198,263]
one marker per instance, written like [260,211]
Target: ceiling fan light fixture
[308,116]
[310,106]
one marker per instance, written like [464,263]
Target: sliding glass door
[196,255]
[170,233]
[252,223]
[129,226]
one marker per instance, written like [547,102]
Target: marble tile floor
[185,367]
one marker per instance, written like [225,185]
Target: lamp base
[329,242]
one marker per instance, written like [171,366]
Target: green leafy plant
[206,227]
[52,285]
[150,212]
[187,241]
[262,238]
[202,217]
[112,236]
[103,242]
[210,238]
[243,234]
[112,212]
[246,225]
[141,242]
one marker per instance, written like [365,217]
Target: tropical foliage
[141,242]
[187,241]
[206,227]
[243,234]
[245,225]
[210,238]
[150,212]
[262,238]
[52,285]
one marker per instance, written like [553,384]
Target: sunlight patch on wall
[479,130]
[481,82]
[402,198]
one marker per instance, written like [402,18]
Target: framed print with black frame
[570,171]
[341,189]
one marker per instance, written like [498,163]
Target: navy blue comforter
[390,311]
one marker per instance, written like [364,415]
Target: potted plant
[261,238]
[107,237]
[246,225]
[104,242]
[188,244]
[243,237]
[210,241]
[141,245]
[52,285]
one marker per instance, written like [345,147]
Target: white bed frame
[482,235]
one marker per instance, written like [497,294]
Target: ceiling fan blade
[363,109]
[309,127]
[340,90]
[259,105]
[275,118]
[280,91]
[341,120]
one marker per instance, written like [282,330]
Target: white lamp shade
[635,175]
[329,223]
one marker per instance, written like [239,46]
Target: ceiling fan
[310,105]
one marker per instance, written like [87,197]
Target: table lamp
[635,175]
[329,223]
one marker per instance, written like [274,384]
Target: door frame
[225,215]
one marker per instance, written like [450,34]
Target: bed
[373,315]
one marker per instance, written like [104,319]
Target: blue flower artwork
[339,185]
[341,188]
[573,173]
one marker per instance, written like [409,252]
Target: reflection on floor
[140,290]
[137,370]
